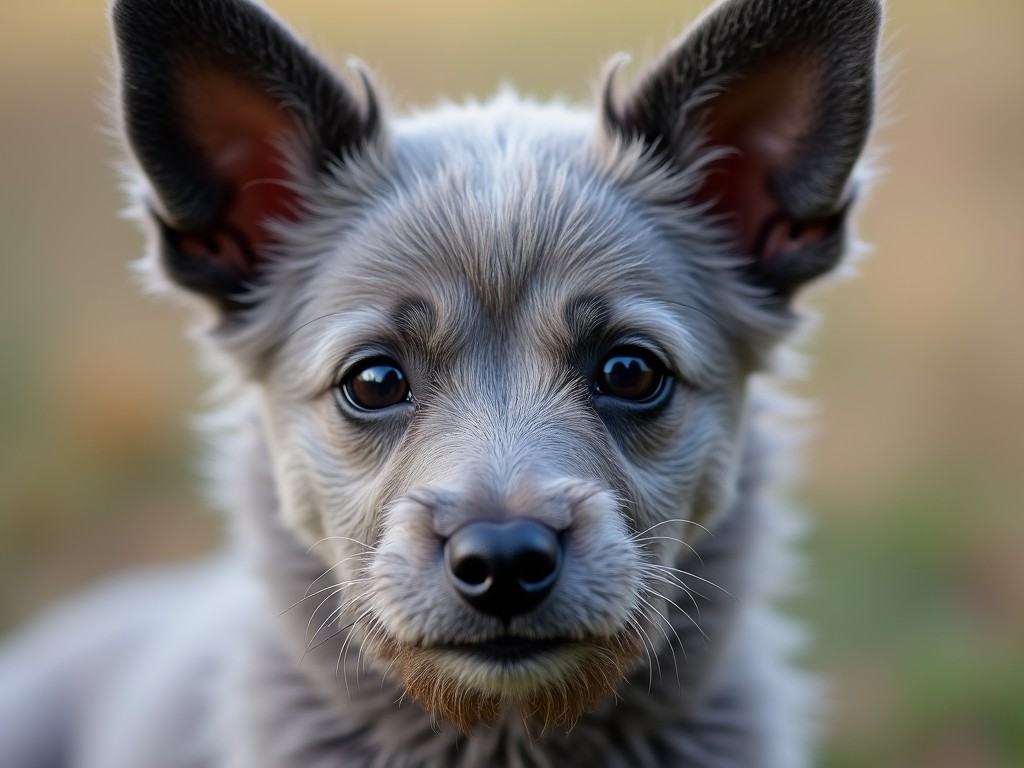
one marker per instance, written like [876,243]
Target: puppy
[496,468]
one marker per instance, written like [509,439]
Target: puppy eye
[376,384]
[631,374]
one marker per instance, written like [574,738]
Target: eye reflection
[634,375]
[378,384]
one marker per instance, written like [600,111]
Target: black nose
[503,569]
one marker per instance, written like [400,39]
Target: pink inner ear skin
[763,118]
[785,235]
[240,130]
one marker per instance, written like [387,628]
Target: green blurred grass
[916,586]
[919,630]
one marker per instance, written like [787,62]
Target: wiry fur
[498,251]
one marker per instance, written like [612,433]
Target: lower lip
[510,649]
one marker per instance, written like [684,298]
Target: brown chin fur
[559,705]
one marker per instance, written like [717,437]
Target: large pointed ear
[225,112]
[781,94]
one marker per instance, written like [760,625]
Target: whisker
[327,639]
[653,651]
[376,629]
[337,590]
[663,580]
[369,547]
[344,651]
[336,613]
[340,562]
[664,572]
[673,520]
[668,640]
[685,613]
[386,672]
[650,662]
[359,655]
[342,661]
[343,585]
[671,538]
[689,575]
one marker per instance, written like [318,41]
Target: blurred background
[915,475]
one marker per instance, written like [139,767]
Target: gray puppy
[496,465]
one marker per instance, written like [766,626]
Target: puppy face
[549,361]
[501,350]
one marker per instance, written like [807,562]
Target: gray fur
[498,251]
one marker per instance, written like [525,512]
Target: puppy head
[502,349]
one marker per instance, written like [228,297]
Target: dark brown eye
[631,374]
[376,384]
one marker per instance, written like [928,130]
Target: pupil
[630,378]
[378,387]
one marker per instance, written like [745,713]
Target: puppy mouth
[508,649]
[554,679]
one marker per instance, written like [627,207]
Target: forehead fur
[493,212]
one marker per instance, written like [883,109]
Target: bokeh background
[915,473]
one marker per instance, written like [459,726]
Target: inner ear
[242,135]
[759,121]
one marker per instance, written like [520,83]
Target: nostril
[536,569]
[472,570]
